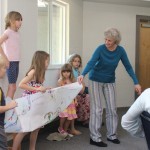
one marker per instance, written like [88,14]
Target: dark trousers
[145,117]
[3,139]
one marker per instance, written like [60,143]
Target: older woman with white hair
[101,68]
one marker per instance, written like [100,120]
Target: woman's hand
[80,79]
[138,89]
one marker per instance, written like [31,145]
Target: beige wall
[28,31]
[87,23]
[99,16]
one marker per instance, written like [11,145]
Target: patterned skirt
[83,107]
[69,112]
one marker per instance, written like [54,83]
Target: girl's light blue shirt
[75,72]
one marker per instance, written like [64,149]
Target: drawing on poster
[39,109]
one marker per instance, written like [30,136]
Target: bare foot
[75,132]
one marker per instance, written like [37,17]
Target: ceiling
[140,3]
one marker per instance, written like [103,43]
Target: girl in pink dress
[69,114]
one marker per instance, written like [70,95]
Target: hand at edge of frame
[138,89]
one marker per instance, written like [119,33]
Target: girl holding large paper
[32,83]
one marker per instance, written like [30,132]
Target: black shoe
[100,144]
[115,141]
[103,123]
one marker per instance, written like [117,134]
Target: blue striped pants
[99,91]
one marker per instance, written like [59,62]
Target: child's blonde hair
[72,57]
[67,67]
[38,64]
[12,16]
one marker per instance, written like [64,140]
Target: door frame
[139,18]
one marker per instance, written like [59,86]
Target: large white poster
[36,110]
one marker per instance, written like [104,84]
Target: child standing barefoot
[32,83]
[83,108]
[3,107]
[11,41]
[69,114]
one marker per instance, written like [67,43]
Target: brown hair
[72,57]
[12,16]
[38,64]
[67,67]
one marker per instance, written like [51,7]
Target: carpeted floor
[81,142]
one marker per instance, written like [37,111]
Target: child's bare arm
[76,102]
[24,82]
[48,88]
[12,104]
[41,89]
[60,83]
[3,54]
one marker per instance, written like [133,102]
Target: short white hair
[114,34]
